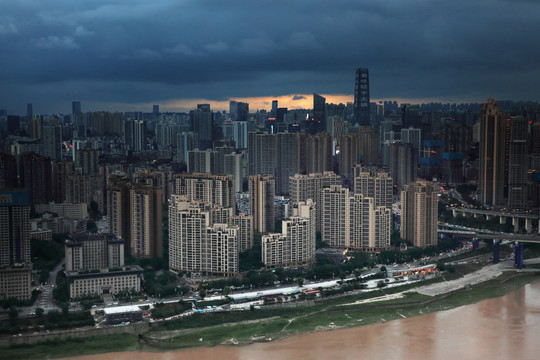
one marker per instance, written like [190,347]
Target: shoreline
[391,310]
[305,319]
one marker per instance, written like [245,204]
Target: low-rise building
[92,252]
[105,281]
[95,266]
[15,282]
[120,314]
[67,210]
[59,224]
[40,234]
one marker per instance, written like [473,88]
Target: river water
[504,328]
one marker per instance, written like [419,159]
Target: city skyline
[127,56]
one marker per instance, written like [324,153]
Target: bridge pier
[528,225]
[475,242]
[515,222]
[518,255]
[496,251]
[489,217]
[502,220]
[454,212]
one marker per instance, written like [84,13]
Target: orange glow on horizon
[303,101]
[291,102]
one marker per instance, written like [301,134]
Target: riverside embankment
[265,324]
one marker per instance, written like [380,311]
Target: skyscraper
[155,110]
[262,153]
[303,187]
[146,221]
[15,266]
[234,164]
[118,206]
[240,134]
[361,97]
[135,214]
[492,154]
[243,111]
[8,171]
[419,213]
[86,161]
[274,107]
[355,148]
[518,164]
[35,175]
[313,153]
[135,134]
[212,189]
[197,243]
[296,243]
[14,227]
[166,133]
[139,135]
[202,123]
[52,141]
[375,183]
[403,163]
[185,142]
[261,196]
[233,110]
[35,127]
[273,154]
[412,136]
[77,116]
[352,221]
[62,171]
[285,160]
[318,124]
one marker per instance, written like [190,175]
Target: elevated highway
[530,219]
[496,237]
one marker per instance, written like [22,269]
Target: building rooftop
[128,269]
[122,309]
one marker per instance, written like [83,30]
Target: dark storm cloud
[132,51]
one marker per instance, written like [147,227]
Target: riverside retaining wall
[136,328]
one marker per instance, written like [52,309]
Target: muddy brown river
[502,328]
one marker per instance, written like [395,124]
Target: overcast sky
[129,54]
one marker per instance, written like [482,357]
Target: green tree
[40,312]
[65,308]
[94,210]
[202,293]
[251,258]
[318,241]
[91,226]
[226,290]
[300,281]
